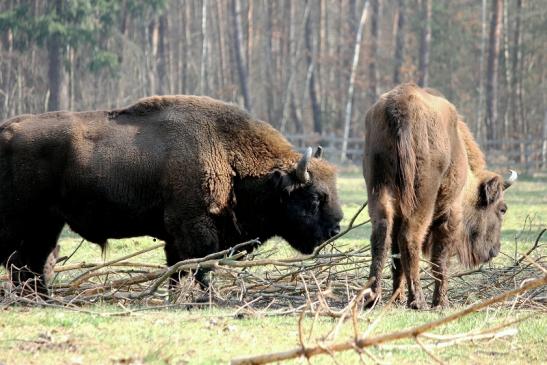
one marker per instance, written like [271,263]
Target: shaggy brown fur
[428,190]
[196,172]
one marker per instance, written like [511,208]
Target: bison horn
[510,180]
[318,152]
[302,168]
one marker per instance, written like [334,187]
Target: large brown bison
[428,190]
[200,174]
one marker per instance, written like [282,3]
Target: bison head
[483,219]
[308,211]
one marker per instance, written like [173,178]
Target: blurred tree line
[288,62]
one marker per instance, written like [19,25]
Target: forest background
[310,68]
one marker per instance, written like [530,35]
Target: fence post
[527,155]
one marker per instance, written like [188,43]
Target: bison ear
[280,180]
[319,152]
[490,191]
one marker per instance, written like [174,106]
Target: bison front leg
[173,256]
[443,236]
[194,238]
[439,268]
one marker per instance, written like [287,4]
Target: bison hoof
[440,304]
[371,298]
[400,300]
[417,304]
[399,297]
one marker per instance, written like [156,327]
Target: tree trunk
[292,68]
[186,52]
[516,76]
[316,110]
[269,64]
[235,9]
[506,61]
[58,90]
[425,43]
[479,131]
[349,104]
[6,79]
[120,93]
[491,120]
[375,7]
[153,39]
[71,87]
[221,48]
[204,50]
[250,41]
[399,42]
[163,86]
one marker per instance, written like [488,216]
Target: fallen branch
[371,341]
[81,278]
[523,257]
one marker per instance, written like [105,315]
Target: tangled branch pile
[329,282]
[331,275]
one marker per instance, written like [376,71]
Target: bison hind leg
[398,275]
[381,213]
[411,237]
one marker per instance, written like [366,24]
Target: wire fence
[524,155]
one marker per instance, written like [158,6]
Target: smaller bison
[429,191]
[200,174]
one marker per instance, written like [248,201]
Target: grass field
[212,335]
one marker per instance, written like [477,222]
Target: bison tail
[399,117]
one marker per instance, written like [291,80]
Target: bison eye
[315,204]
[503,209]
[323,197]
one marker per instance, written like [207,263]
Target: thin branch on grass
[82,277]
[370,341]
[533,247]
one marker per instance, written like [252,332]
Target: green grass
[214,335]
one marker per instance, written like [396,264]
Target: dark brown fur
[428,190]
[196,172]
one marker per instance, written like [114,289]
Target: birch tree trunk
[349,104]
[153,34]
[58,90]
[185,88]
[163,86]
[204,50]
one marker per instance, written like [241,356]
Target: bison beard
[200,174]
[428,191]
